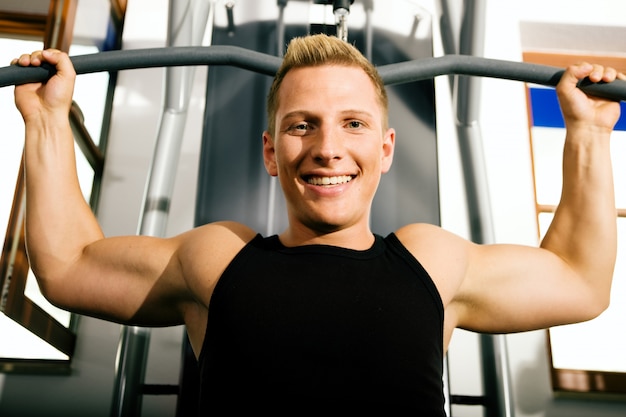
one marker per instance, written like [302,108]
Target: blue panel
[547,113]
[545,108]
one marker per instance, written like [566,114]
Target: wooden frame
[60,24]
[54,27]
[23,25]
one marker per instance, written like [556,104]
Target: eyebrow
[296,113]
[362,113]
[304,113]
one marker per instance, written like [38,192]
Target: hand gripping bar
[398,73]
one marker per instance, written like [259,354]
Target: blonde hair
[318,50]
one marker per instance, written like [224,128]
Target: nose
[327,146]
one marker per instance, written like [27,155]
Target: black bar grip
[426,68]
[398,73]
[149,58]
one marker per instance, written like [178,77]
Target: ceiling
[572,38]
[535,35]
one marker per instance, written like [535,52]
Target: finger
[609,74]
[597,73]
[51,55]
[621,76]
[34,59]
[572,75]
[60,60]
[23,60]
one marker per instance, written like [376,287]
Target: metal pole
[368,5]
[495,362]
[280,51]
[135,341]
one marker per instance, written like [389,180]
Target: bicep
[511,288]
[132,280]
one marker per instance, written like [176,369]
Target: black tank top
[310,329]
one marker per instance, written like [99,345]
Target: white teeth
[341,179]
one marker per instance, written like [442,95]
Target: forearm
[584,230]
[59,222]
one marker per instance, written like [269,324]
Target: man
[326,316]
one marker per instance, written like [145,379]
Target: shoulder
[443,254]
[414,230]
[203,254]
[420,236]
[220,241]
[205,251]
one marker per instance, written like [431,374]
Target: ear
[269,154]
[389,143]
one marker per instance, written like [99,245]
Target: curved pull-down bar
[403,72]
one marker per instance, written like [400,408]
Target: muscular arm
[77,269]
[567,279]
[583,232]
[134,279]
[509,288]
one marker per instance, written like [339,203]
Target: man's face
[329,149]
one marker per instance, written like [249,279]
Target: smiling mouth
[327,181]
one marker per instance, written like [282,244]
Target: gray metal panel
[233,183]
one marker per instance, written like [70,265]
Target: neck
[357,239]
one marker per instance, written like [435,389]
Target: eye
[299,129]
[354,124]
